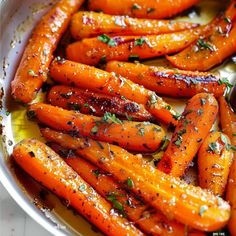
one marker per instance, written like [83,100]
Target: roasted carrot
[228,125]
[37,56]
[124,48]
[156,9]
[136,136]
[141,214]
[170,82]
[214,161]
[44,165]
[97,104]
[87,77]
[185,203]
[86,24]
[193,127]
[210,50]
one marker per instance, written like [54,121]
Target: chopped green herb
[66,95]
[179,139]
[82,188]
[106,39]
[133,57]
[7,113]
[234,135]
[168,107]
[227,20]
[136,7]
[186,122]
[226,82]
[130,118]
[202,45]
[96,172]
[203,101]
[74,106]
[212,147]
[157,129]
[103,60]
[165,143]
[141,131]
[123,97]
[130,182]
[225,141]
[152,99]
[177,116]
[31,114]
[112,197]
[202,209]
[94,130]
[111,117]
[150,10]
[32,73]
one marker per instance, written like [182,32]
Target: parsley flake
[106,39]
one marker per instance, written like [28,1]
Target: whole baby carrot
[193,127]
[37,56]
[45,166]
[86,24]
[169,82]
[97,104]
[214,160]
[88,77]
[136,136]
[93,51]
[156,9]
[185,203]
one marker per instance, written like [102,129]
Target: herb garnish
[106,39]
[226,82]
[203,44]
[32,73]
[133,57]
[136,7]
[111,117]
[130,182]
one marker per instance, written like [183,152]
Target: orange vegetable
[87,77]
[50,170]
[93,51]
[170,82]
[209,51]
[147,219]
[185,203]
[156,9]
[96,103]
[33,68]
[193,127]
[136,136]
[228,125]
[86,24]
[214,161]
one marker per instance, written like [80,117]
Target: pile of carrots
[97,121]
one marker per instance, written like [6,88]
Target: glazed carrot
[193,127]
[209,51]
[87,77]
[185,203]
[37,56]
[142,215]
[214,161]
[228,125]
[124,48]
[136,136]
[155,9]
[45,166]
[170,82]
[97,104]
[86,24]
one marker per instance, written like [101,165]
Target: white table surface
[14,221]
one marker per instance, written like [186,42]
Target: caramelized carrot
[170,82]
[142,215]
[96,103]
[33,68]
[44,165]
[209,51]
[185,203]
[124,48]
[136,136]
[156,9]
[228,125]
[89,24]
[193,127]
[87,77]
[214,161]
